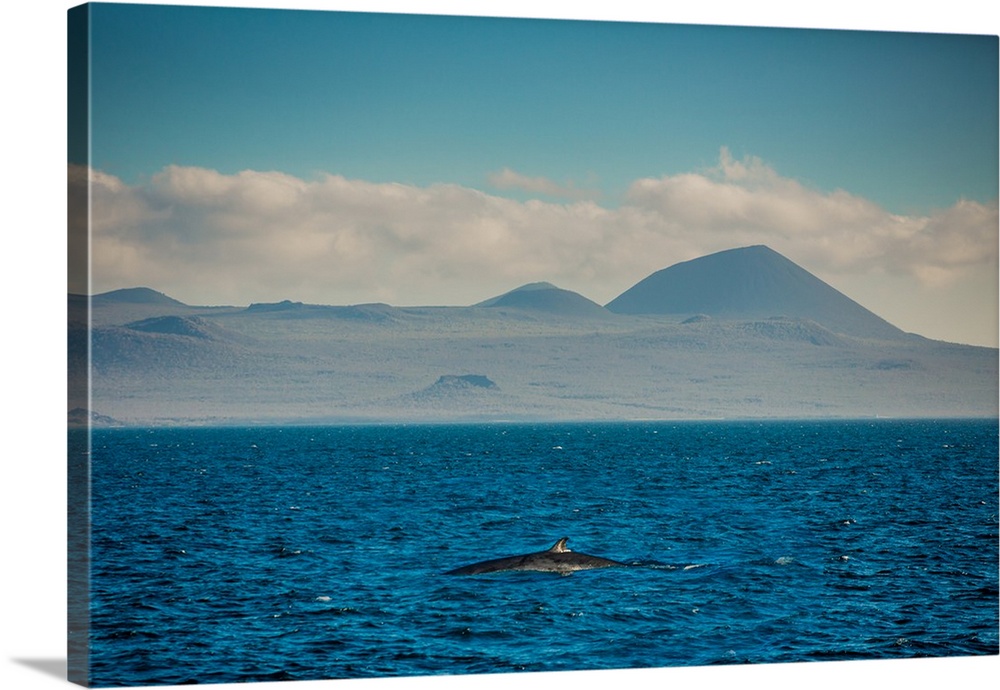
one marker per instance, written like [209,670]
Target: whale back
[558,558]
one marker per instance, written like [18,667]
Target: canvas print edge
[78,525]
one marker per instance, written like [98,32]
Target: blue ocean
[283,553]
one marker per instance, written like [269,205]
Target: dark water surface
[234,554]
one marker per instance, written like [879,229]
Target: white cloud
[937,248]
[268,236]
[207,237]
[509,179]
[746,202]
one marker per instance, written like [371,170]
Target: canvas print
[416,345]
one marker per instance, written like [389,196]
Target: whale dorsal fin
[560,546]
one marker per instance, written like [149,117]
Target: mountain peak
[752,282]
[546,297]
[137,295]
[527,287]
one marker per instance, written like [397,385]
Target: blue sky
[906,120]
[341,157]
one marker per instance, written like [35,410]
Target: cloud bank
[208,237]
[746,202]
[509,179]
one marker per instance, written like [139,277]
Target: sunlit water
[234,554]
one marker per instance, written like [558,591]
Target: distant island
[742,333]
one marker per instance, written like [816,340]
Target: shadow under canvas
[50,667]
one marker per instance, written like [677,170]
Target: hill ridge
[743,283]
